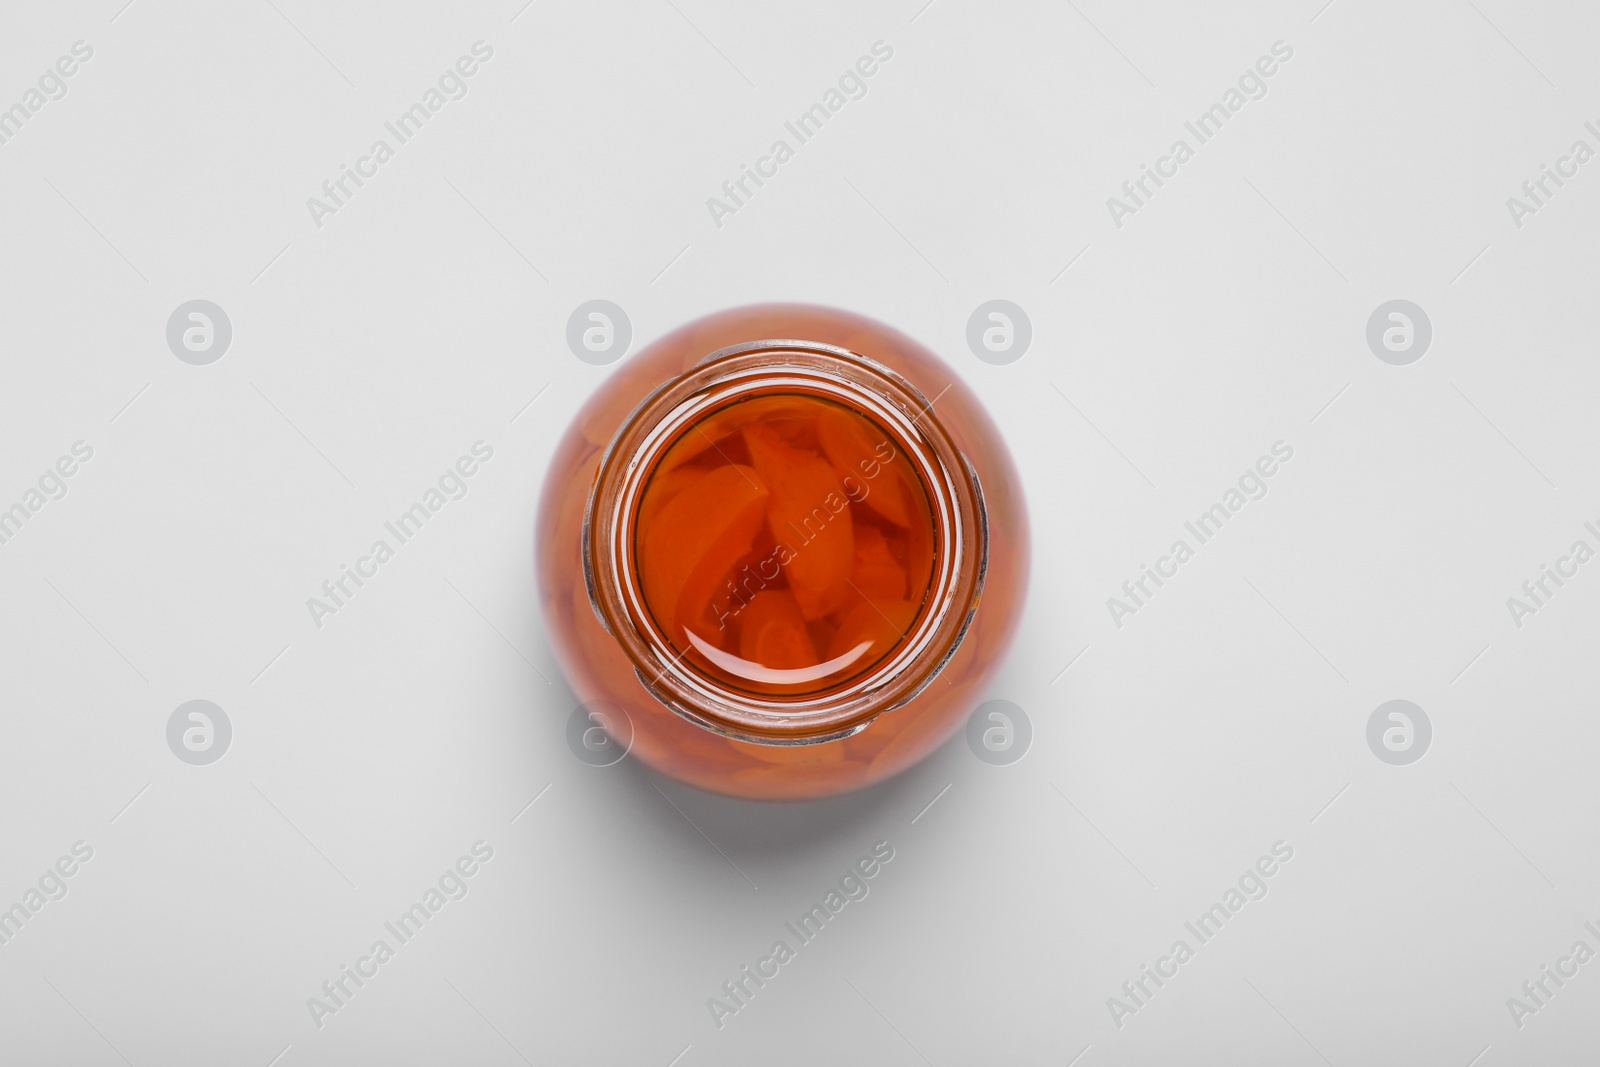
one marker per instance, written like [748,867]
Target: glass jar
[781,551]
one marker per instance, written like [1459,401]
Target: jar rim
[725,377]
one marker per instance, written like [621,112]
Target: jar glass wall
[785,548]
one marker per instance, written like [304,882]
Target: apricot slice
[919,550]
[698,535]
[772,633]
[708,432]
[798,432]
[882,622]
[869,461]
[808,511]
[820,778]
[661,490]
[802,754]
[876,574]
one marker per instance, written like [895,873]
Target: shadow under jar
[783,550]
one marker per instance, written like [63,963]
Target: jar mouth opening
[841,702]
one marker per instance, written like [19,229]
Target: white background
[369,353]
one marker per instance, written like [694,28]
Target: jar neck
[908,417]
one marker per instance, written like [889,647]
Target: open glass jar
[781,550]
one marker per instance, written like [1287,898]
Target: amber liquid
[782,442]
[784,544]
